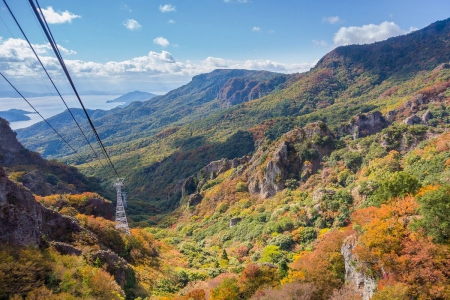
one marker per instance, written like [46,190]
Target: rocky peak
[295,156]
[10,149]
[40,176]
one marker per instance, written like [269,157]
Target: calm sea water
[50,106]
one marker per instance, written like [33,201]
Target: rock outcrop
[40,176]
[415,104]
[296,156]
[412,120]
[366,124]
[194,183]
[362,283]
[237,90]
[26,222]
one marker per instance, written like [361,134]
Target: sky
[156,45]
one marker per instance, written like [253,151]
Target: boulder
[195,199]
[426,116]
[412,120]
[234,221]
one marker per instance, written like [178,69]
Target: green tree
[435,209]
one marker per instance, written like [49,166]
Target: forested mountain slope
[140,119]
[347,81]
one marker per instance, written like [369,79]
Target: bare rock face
[426,116]
[194,199]
[10,148]
[237,90]
[362,283]
[366,124]
[286,161]
[20,214]
[412,120]
[272,180]
[66,249]
[15,158]
[25,221]
[195,182]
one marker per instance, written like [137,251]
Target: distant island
[131,97]
[15,115]
[14,94]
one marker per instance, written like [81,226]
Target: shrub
[284,241]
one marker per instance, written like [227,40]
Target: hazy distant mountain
[14,94]
[14,115]
[133,96]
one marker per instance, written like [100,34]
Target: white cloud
[413,28]
[132,24]
[367,33]
[331,20]
[320,43]
[256,28]
[155,69]
[171,21]
[161,41]
[271,31]
[167,8]
[53,17]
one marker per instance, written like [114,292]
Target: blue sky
[156,46]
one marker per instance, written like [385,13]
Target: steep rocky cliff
[238,90]
[363,284]
[40,176]
[25,221]
[295,157]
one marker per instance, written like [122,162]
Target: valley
[328,184]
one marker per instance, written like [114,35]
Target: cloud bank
[154,67]
[367,33]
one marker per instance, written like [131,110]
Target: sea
[52,105]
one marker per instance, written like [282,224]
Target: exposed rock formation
[366,124]
[25,221]
[363,284]
[42,177]
[296,156]
[194,199]
[274,176]
[238,90]
[234,221]
[413,105]
[426,116]
[195,182]
[65,248]
[412,120]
